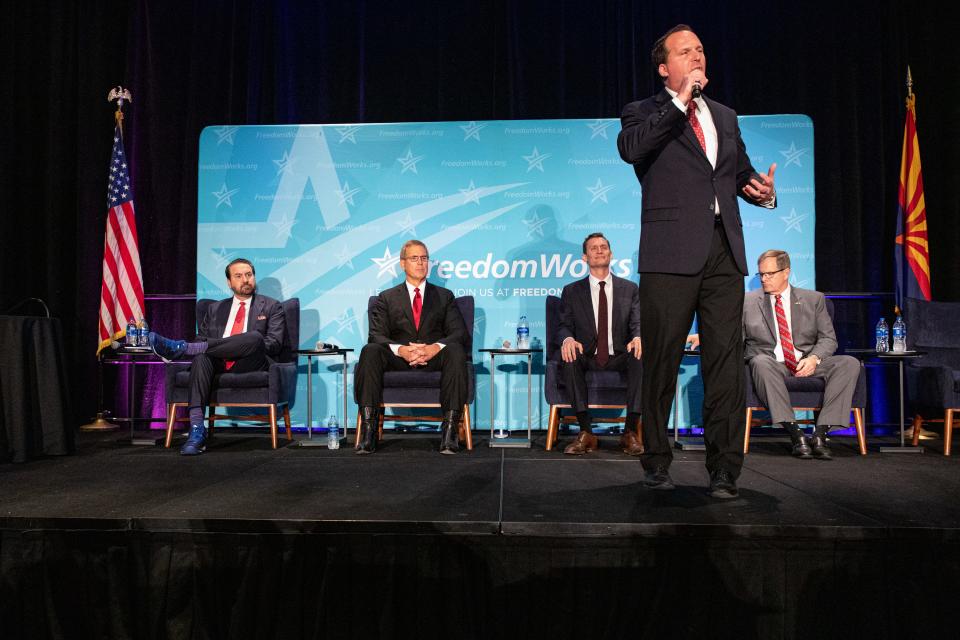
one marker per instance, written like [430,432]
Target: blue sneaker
[165,348]
[195,444]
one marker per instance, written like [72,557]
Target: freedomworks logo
[552,265]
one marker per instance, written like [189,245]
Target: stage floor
[242,485]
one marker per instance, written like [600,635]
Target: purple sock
[193,348]
[196,415]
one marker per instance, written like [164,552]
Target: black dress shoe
[800,447]
[369,426]
[722,485]
[658,478]
[818,443]
[450,433]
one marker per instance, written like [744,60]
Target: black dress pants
[245,349]
[376,359]
[575,378]
[669,302]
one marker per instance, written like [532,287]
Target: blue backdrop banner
[503,206]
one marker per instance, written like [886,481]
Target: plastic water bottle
[899,335]
[883,336]
[143,332]
[133,336]
[523,333]
[333,433]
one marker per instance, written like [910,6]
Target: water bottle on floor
[899,334]
[523,333]
[333,433]
[883,337]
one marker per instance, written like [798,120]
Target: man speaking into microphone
[692,164]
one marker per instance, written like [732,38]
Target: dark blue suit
[691,261]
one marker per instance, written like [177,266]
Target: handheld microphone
[696,89]
[326,346]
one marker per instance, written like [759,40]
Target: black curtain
[217,62]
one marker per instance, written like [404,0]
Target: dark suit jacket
[264,315]
[810,326]
[678,184]
[578,322]
[391,319]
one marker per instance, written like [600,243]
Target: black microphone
[696,89]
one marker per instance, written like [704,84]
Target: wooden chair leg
[380,421]
[746,432]
[947,431]
[286,421]
[467,427]
[273,425]
[171,419]
[861,436]
[640,432]
[552,426]
[917,426]
[356,441]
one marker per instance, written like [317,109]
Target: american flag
[121,293]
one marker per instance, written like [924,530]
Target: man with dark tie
[692,164]
[415,325]
[600,330]
[239,334]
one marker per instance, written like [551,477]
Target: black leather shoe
[800,447]
[369,426]
[658,479]
[722,485]
[818,443]
[450,433]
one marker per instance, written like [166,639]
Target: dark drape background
[190,65]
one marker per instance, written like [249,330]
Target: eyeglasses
[423,259]
[763,275]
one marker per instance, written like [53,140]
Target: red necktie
[235,329]
[417,307]
[695,124]
[603,349]
[789,356]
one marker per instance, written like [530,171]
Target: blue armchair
[272,389]
[421,389]
[806,394]
[605,389]
[934,379]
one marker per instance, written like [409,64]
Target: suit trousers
[376,359]
[575,378]
[839,372]
[669,302]
[245,349]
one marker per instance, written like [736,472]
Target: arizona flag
[912,250]
[121,292]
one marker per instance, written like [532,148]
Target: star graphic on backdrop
[345,322]
[386,264]
[472,130]
[409,162]
[222,257]
[223,196]
[793,155]
[599,191]
[225,134]
[535,225]
[347,133]
[599,128]
[283,226]
[408,225]
[344,258]
[535,160]
[346,193]
[285,164]
[793,220]
[470,194]
[798,283]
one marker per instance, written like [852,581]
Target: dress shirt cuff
[396,349]
[440,344]
[769,204]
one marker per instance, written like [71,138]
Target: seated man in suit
[414,325]
[239,334]
[787,332]
[600,330]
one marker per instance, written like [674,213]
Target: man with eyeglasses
[787,332]
[414,325]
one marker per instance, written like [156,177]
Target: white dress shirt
[234,307]
[785,300]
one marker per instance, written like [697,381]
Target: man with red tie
[414,325]
[240,334]
[787,331]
